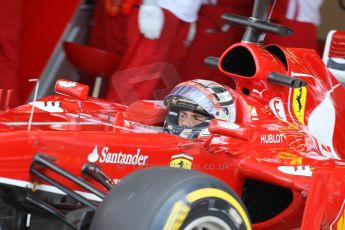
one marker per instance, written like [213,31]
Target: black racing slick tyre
[171,198]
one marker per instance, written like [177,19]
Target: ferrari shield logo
[298,102]
[339,222]
[181,161]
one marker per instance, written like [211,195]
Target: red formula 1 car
[69,161]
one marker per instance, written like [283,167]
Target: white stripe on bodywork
[21,123]
[321,124]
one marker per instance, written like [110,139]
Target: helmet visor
[193,95]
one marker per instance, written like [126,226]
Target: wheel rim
[208,223]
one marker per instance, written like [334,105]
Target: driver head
[193,104]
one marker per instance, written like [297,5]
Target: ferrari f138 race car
[69,161]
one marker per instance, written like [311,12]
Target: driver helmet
[204,97]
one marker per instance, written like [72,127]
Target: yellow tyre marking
[213,192]
[177,215]
[180,209]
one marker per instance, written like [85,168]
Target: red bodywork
[286,137]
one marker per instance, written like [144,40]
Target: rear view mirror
[71,88]
[231,129]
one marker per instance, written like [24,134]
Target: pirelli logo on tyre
[181,161]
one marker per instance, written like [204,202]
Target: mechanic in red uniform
[303,17]
[159,31]
[212,38]
[214,35]
[110,24]
[163,31]
[10,27]
[109,28]
[192,104]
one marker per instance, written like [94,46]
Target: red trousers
[10,27]
[304,35]
[109,32]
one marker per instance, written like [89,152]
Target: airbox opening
[239,61]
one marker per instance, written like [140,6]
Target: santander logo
[107,157]
[93,156]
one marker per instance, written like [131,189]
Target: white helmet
[201,96]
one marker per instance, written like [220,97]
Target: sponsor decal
[181,161]
[253,113]
[272,138]
[67,84]
[294,159]
[269,160]
[277,106]
[204,133]
[296,170]
[108,157]
[50,106]
[298,102]
[236,217]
